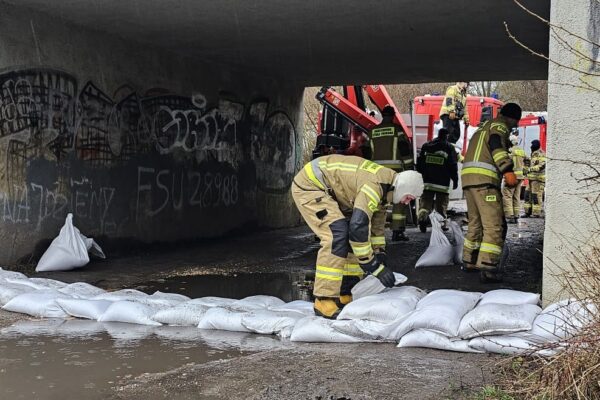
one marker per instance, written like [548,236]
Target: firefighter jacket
[487,156]
[537,170]
[391,147]
[437,164]
[455,100]
[360,188]
[518,157]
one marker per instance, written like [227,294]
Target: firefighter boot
[327,307]
[398,235]
[423,225]
[491,276]
[345,299]
[468,267]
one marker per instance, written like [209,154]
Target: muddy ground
[277,263]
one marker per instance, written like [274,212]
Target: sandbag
[318,329]
[299,306]
[223,319]
[387,306]
[255,303]
[440,251]
[433,340]
[129,311]
[121,295]
[4,274]
[83,308]
[497,319]
[9,290]
[212,301]
[270,322]
[371,285]
[510,297]
[169,296]
[67,251]
[440,311]
[458,238]
[183,314]
[92,247]
[506,344]
[81,290]
[38,303]
[39,283]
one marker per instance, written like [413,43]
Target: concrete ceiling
[316,42]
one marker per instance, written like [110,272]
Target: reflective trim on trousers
[328,273]
[490,248]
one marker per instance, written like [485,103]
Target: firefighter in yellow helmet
[511,196]
[536,174]
[391,148]
[342,199]
[486,161]
[454,108]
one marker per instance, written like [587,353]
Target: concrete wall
[137,143]
[574,132]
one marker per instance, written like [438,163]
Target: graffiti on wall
[46,114]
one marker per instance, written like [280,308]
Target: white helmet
[407,182]
[514,140]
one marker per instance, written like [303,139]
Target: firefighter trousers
[534,199]
[487,228]
[337,269]
[431,200]
[511,197]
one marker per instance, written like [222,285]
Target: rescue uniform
[454,101]
[511,196]
[536,174]
[486,160]
[437,164]
[342,199]
[391,148]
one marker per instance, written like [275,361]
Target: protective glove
[510,179]
[452,115]
[380,271]
[381,257]
[454,185]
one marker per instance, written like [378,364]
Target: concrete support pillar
[573,138]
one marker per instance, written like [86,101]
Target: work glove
[454,185]
[380,271]
[452,115]
[381,256]
[510,179]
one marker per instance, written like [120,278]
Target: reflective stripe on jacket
[391,147]
[455,101]
[537,170]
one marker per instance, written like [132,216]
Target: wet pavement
[79,359]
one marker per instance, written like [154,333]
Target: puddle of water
[286,286]
[76,359]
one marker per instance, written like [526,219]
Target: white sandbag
[39,303]
[388,306]
[83,308]
[4,274]
[367,331]
[497,319]
[268,322]
[169,296]
[67,251]
[371,285]
[39,283]
[92,247]
[510,297]
[506,344]
[212,301]
[458,238]
[183,314]
[82,290]
[318,329]
[129,311]
[255,303]
[559,321]
[299,306]
[121,295]
[440,311]
[440,251]
[223,319]
[433,340]
[9,290]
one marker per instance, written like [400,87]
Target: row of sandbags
[502,321]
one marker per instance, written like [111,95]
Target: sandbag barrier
[500,321]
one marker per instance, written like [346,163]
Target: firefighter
[486,161]
[511,196]
[343,199]
[454,108]
[536,174]
[391,148]
[437,164]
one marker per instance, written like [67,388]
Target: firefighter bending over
[391,148]
[486,161]
[511,196]
[343,199]
[454,108]
[437,164]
